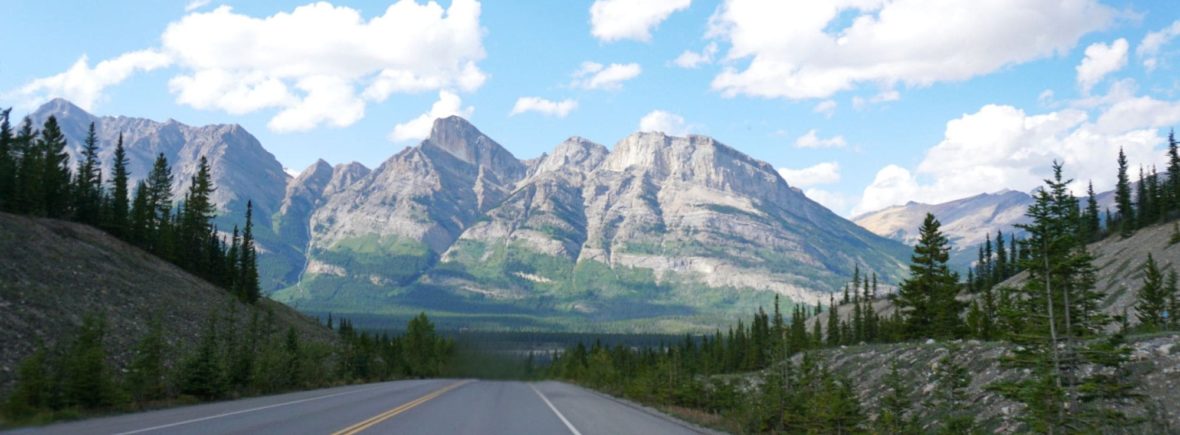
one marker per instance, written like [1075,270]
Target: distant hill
[966,222]
[54,273]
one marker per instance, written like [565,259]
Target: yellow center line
[359,427]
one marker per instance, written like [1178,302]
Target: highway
[435,406]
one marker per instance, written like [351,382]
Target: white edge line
[555,411]
[227,414]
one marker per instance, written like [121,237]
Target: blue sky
[862,103]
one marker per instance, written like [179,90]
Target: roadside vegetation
[765,376]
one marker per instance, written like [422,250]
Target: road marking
[374,420]
[568,425]
[227,414]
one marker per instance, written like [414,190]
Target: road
[435,406]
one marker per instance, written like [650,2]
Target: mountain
[966,222]
[55,273]
[659,230]
[658,233]
[241,168]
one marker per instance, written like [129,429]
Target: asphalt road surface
[436,406]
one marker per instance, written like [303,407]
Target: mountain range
[656,233]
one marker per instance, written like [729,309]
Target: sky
[862,104]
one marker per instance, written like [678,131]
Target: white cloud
[812,140]
[826,107]
[193,5]
[834,201]
[318,64]
[859,103]
[1003,147]
[419,128]
[1046,97]
[592,75]
[823,173]
[614,20]
[691,59]
[1149,48]
[1101,59]
[545,107]
[664,122]
[84,85]
[793,52]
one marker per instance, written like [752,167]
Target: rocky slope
[1154,368]
[54,273]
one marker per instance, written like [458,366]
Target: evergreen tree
[202,374]
[1152,302]
[8,159]
[119,219]
[34,388]
[87,188]
[1173,301]
[140,229]
[1173,173]
[1091,228]
[29,191]
[249,287]
[895,417]
[927,297]
[1143,205]
[88,379]
[1122,198]
[145,376]
[834,338]
[159,193]
[55,170]
[197,222]
[949,399]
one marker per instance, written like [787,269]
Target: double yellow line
[359,427]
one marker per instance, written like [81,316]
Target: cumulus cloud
[592,75]
[834,201]
[860,103]
[614,20]
[84,85]
[1149,49]
[318,64]
[448,104]
[826,107]
[1101,59]
[664,122]
[1001,146]
[823,173]
[545,107]
[691,59]
[812,140]
[797,50]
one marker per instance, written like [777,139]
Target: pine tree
[1122,198]
[29,191]
[1001,272]
[159,193]
[8,159]
[201,374]
[895,417]
[1173,300]
[34,388]
[87,188]
[55,170]
[88,379]
[249,289]
[1091,229]
[120,204]
[1173,173]
[949,399]
[145,376]
[927,297]
[197,222]
[140,228]
[1152,302]
[1143,205]
[834,338]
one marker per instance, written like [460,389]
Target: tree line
[36,180]
[1077,376]
[233,356]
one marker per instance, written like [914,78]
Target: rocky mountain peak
[63,110]
[574,154]
[457,137]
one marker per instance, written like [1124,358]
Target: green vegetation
[37,182]
[232,358]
